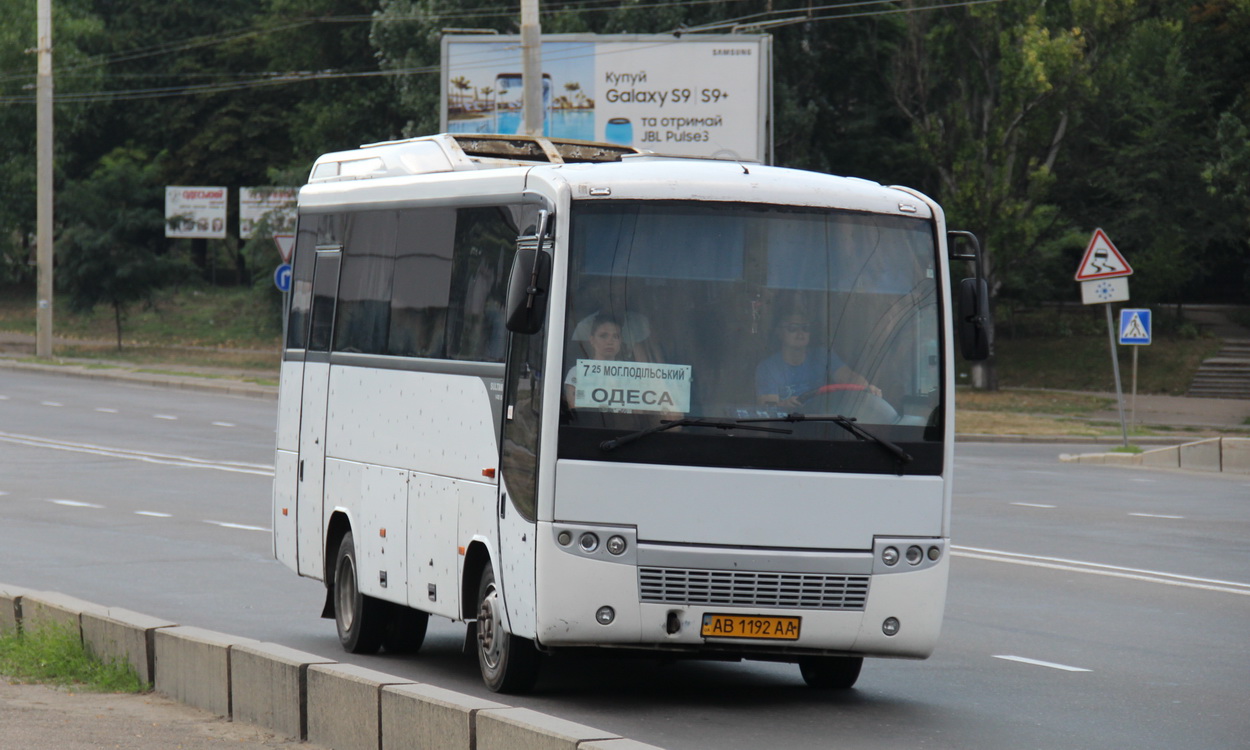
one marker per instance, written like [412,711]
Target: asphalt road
[1090,606]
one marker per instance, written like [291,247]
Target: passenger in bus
[798,369]
[604,343]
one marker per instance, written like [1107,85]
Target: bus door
[518,489]
[309,510]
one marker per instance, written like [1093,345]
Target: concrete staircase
[1226,375]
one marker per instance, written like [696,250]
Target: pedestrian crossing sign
[1134,326]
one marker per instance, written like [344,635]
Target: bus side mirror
[974,318]
[528,285]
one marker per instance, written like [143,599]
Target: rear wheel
[404,630]
[357,617]
[831,672]
[509,664]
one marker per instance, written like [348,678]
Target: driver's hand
[789,403]
[874,390]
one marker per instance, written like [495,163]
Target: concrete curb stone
[193,667]
[426,717]
[269,687]
[352,699]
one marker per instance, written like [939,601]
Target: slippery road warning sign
[1102,260]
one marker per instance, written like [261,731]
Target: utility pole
[531,69]
[43,181]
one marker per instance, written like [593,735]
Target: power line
[290,77]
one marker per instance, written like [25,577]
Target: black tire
[359,618]
[509,664]
[831,672]
[404,630]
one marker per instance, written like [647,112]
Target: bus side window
[423,260]
[485,238]
[362,320]
[301,282]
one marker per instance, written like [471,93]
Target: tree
[990,92]
[111,249]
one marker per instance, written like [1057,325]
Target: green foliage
[111,250]
[56,655]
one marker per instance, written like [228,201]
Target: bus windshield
[723,312]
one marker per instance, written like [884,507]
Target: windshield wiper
[850,425]
[720,424]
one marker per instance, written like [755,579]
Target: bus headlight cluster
[605,543]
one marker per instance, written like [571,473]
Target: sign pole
[1133,417]
[1115,366]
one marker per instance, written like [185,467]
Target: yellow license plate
[750,626]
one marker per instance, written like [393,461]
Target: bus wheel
[509,664]
[358,617]
[831,672]
[404,631]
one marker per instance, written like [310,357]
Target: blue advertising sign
[282,277]
[1134,326]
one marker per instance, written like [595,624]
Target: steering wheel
[851,400]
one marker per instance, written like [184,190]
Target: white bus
[579,396]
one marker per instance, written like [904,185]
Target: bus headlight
[588,542]
[605,615]
[914,555]
[889,555]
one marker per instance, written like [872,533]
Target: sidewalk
[34,716]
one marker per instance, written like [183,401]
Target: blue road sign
[282,277]
[1134,326]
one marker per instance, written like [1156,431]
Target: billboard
[698,95]
[276,204]
[196,212]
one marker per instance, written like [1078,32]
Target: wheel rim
[345,604]
[489,633]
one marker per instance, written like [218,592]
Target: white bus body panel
[312,453]
[728,507]
[286,466]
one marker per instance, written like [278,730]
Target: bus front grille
[740,588]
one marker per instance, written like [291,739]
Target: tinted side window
[330,230]
[301,282]
[362,320]
[423,263]
[484,243]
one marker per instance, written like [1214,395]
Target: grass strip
[55,655]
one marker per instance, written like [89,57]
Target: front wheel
[509,663]
[831,672]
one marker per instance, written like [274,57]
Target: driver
[798,369]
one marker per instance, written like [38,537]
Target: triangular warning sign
[1102,260]
[1134,329]
[286,243]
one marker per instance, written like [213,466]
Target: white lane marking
[1038,663]
[1144,481]
[238,467]
[50,403]
[228,525]
[4,398]
[1156,515]
[1100,569]
[223,424]
[1034,505]
[152,513]
[170,417]
[105,410]
[75,504]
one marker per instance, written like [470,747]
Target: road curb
[161,380]
[346,706]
